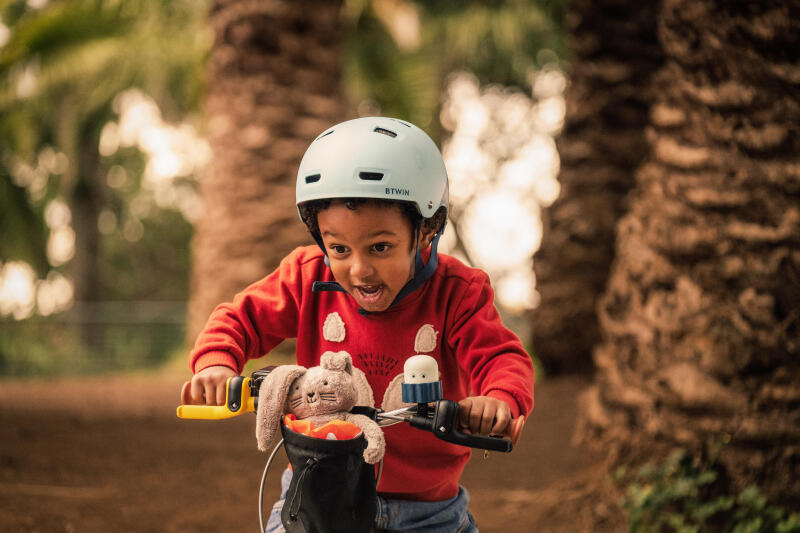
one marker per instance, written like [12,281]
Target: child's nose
[361,268]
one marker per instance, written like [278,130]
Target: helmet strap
[422,271]
[318,239]
[324,286]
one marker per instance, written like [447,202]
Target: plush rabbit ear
[272,396]
[337,361]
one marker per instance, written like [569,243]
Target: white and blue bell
[421,382]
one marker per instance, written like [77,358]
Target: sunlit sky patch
[17,297]
[5,34]
[502,163]
[53,294]
[172,151]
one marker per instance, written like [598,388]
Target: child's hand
[484,415]
[207,386]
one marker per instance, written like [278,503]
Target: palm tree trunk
[86,196]
[701,319]
[273,86]
[616,52]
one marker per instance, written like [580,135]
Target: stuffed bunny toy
[319,394]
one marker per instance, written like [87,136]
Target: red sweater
[476,354]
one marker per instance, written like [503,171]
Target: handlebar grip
[205,412]
[494,444]
[238,400]
[445,426]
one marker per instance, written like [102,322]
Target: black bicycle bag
[332,490]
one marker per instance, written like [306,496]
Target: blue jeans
[447,516]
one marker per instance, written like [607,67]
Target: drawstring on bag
[297,495]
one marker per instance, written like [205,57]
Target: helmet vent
[390,133]
[313,178]
[323,135]
[371,176]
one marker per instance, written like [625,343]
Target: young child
[373,193]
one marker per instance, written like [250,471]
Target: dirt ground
[109,454]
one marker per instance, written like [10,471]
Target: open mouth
[370,294]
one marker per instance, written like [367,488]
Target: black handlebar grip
[494,444]
[444,426]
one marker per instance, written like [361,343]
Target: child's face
[370,251]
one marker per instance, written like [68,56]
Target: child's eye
[339,249]
[381,247]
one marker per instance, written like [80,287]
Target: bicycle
[439,417]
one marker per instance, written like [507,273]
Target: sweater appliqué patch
[393,395]
[333,329]
[425,341]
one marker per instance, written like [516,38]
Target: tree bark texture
[701,318]
[273,87]
[616,53]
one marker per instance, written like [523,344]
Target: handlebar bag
[332,490]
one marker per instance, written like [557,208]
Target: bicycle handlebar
[439,418]
[239,398]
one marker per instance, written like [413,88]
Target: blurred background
[628,173]
[109,112]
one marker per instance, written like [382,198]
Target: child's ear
[425,237]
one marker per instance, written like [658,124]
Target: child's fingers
[476,416]
[186,393]
[487,420]
[221,389]
[501,420]
[483,415]
[210,392]
[197,392]
[463,412]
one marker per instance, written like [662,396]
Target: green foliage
[500,42]
[683,495]
[60,71]
[17,212]
[47,347]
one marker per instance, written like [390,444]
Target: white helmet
[374,157]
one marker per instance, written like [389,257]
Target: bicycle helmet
[380,158]
[374,157]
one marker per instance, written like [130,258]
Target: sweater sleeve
[257,320]
[489,353]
